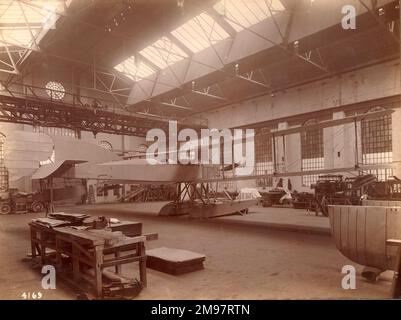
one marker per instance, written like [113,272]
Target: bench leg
[118,267]
[142,264]
[98,272]
[33,246]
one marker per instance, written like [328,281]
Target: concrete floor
[286,219]
[243,261]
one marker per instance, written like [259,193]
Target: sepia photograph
[219,152]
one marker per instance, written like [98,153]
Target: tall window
[377,143]
[312,152]
[263,157]
[58,131]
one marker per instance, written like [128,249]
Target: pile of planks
[50,223]
[74,219]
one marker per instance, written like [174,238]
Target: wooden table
[42,237]
[97,249]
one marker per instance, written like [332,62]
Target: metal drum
[360,233]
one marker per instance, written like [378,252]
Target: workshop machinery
[389,189]
[280,195]
[303,200]
[337,190]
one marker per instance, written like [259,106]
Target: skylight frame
[163,53]
[134,68]
[200,32]
[242,14]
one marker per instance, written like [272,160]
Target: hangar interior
[82,83]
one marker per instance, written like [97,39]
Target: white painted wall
[370,83]
[374,82]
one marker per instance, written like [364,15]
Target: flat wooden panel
[344,229]
[361,213]
[352,234]
[376,236]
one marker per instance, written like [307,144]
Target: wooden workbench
[97,249]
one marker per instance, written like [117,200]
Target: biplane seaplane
[70,158]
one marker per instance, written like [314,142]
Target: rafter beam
[15,72]
[179,44]
[380,22]
[288,28]
[281,46]
[274,20]
[174,105]
[249,78]
[206,93]
[223,23]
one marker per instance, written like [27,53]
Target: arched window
[55,90]
[312,152]
[106,145]
[377,143]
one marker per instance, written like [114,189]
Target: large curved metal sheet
[105,165]
[135,172]
[126,171]
[57,168]
[66,148]
[361,232]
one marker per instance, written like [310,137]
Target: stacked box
[174,261]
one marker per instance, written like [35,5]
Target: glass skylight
[163,53]
[242,14]
[21,22]
[134,68]
[200,33]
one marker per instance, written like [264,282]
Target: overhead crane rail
[43,112]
